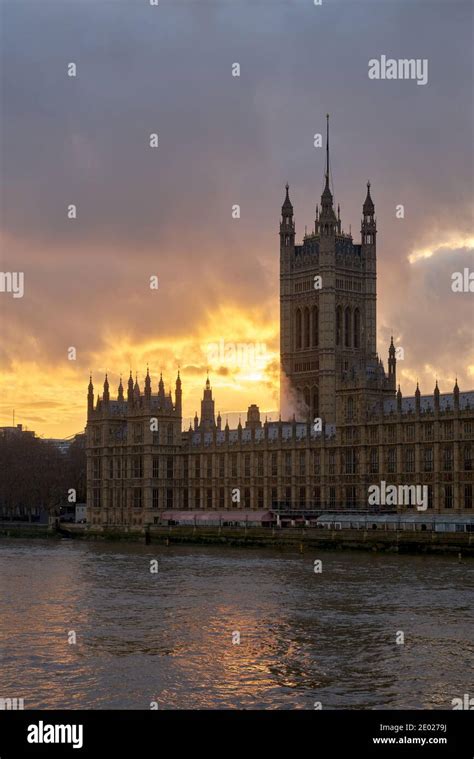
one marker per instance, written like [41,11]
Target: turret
[392,364]
[287,225]
[147,386]
[368,226]
[106,395]
[436,397]
[90,397]
[196,421]
[456,395]
[130,389]
[178,395]
[161,386]
[219,421]
[417,399]
[369,257]
[136,391]
[253,417]
[120,390]
[399,400]
[208,422]
[327,218]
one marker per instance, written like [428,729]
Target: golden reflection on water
[228,628]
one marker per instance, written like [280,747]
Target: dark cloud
[224,141]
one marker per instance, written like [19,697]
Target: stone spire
[327,218]
[178,395]
[90,396]
[106,395]
[436,396]
[392,364]
[147,385]
[456,395]
[161,386]
[417,399]
[136,389]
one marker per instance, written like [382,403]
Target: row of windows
[307,328]
[390,430]
[306,366]
[349,284]
[348,327]
[302,287]
[288,463]
[164,434]
[205,498]
[427,460]
[409,431]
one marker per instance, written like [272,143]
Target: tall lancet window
[315,326]
[315,404]
[356,328]
[350,408]
[307,400]
[306,328]
[347,327]
[338,325]
[299,343]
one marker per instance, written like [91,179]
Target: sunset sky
[223,140]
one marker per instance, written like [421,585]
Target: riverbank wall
[396,541]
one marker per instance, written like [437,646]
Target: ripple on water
[170,637]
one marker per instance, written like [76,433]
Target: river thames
[171,637]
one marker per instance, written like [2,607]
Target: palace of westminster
[351,427]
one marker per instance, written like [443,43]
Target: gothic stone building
[349,427]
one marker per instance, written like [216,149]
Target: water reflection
[172,636]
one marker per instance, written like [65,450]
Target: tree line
[36,476]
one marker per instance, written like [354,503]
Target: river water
[170,637]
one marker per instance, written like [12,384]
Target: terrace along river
[169,637]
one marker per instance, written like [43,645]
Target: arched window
[347,327]
[307,400]
[315,403]
[356,328]
[315,326]
[338,325]
[350,408]
[298,330]
[306,328]
[169,436]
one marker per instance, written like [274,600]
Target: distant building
[63,444]
[59,443]
[14,432]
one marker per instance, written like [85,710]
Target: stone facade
[134,472]
[349,427]
[328,319]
